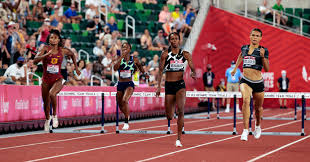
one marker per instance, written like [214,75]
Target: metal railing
[39,78]
[133,26]
[301,20]
[83,51]
[298,30]
[92,80]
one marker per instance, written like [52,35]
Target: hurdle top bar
[208,94]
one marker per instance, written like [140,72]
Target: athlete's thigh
[119,96]
[57,86]
[170,102]
[246,90]
[45,88]
[180,98]
[128,93]
[258,98]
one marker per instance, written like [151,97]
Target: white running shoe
[227,110]
[55,121]
[257,132]
[244,135]
[238,110]
[126,126]
[178,143]
[47,125]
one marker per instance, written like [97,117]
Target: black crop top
[253,60]
[175,62]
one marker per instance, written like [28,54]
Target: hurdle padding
[73,93]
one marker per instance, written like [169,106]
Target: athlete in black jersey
[125,65]
[254,57]
[173,62]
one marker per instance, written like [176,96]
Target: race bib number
[176,64]
[249,60]
[125,74]
[53,69]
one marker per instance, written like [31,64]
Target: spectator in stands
[144,62]
[31,48]
[11,7]
[221,88]
[164,15]
[154,63]
[167,27]
[71,15]
[181,25]
[147,1]
[159,41]
[232,84]
[189,14]
[55,18]
[112,25]
[95,25]
[107,64]
[115,7]
[68,44]
[91,12]
[30,68]
[114,38]
[280,17]
[13,43]
[107,37]
[105,47]
[86,73]
[4,54]
[283,85]
[95,3]
[38,12]
[72,78]
[146,41]
[116,48]
[60,8]
[4,13]
[176,13]
[15,74]
[153,77]
[208,80]
[23,12]
[98,68]
[173,2]
[48,9]
[265,10]
[44,31]
[97,49]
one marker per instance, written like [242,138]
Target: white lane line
[76,138]
[69,139]
[120,144]
[278,149]
[77,152]
[204,144]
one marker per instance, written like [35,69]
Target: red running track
[146,147]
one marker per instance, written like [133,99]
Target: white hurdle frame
[136,131]
[292,95]
[76,93]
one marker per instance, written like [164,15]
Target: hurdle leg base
[168,132]
[250,133]
[234,133]
[302,134]
[183,132]
[117,132]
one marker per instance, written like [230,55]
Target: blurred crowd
[18,48]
